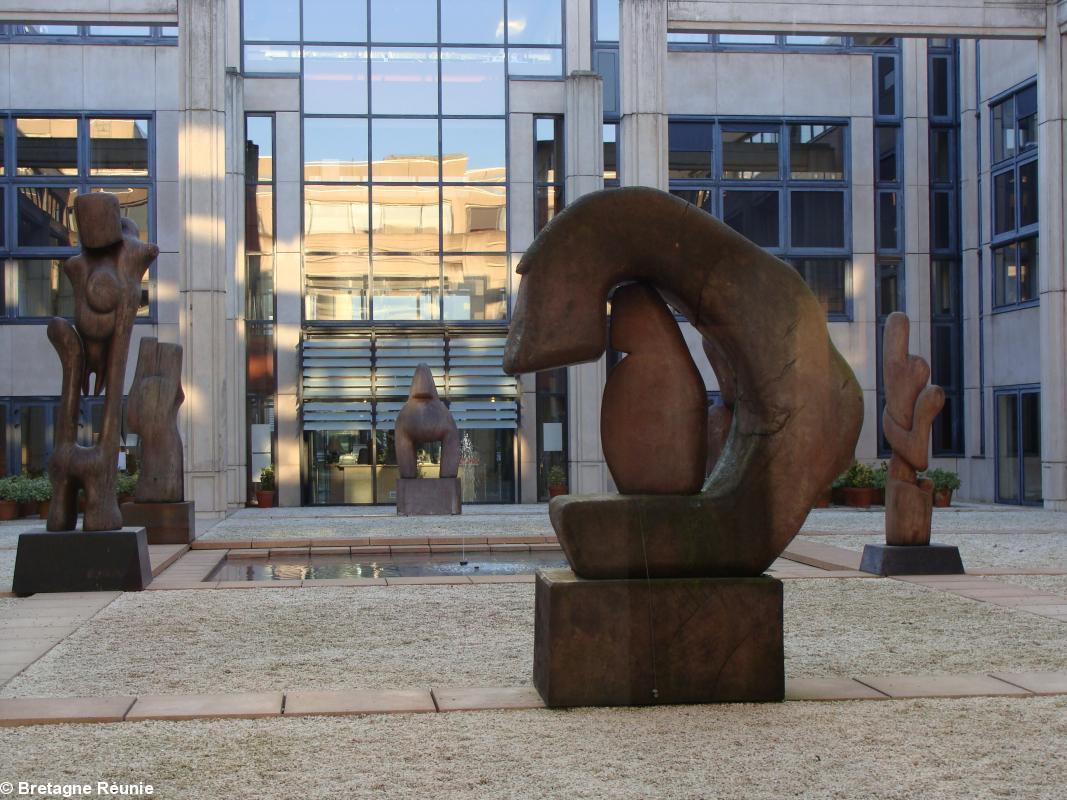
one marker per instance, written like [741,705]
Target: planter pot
[556,491]
[943,498]
[42,509]
[837,496]
[879,496]
[125,498]
[28,509]
[824,499]
[859,498]
[264,499]
[9,509]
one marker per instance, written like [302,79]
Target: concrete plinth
[166,523]
[428,497]
[648,642]
[926,559]
[81,561]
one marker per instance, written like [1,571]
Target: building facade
[342,189]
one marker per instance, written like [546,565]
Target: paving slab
[368,701]
[249,705]
[52,710]
[1037,682]
[830,689]
[909,686]
[482,699]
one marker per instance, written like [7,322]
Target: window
[1018,433]
[24,33]
[783,185]
[740,41]
[56,158]
[1014,198]
[548,169]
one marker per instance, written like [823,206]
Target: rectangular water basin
[414,565]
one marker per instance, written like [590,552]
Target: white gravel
[399,637]
[1054,584]
[895,750]
[978,550]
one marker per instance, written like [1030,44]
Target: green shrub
[266,478]
[126,483]
[557,476]
[37,490]
[10,489]
[858,476]
[944,479]
[880,474]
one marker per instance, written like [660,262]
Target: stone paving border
[52,710]
[1008,595]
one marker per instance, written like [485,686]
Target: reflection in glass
[941,220]
[472,81]
[259,149]
[272,20]
[817,219]
[690,149]
[3,151]
[548,203]
[548,149]
[259,358]
[259,300]
[120,30]
[487,465]
[337,288]
[403,20]
[1003,130]
[336,219]
[886,88]
[259,218]
[886,142]
[403,80]
[473,150]
[1026,117]
[269,59]
[1030,410]
[944,298]
[406,288]
[405,219]
[475,287]
[335,20]
[815,41]
[46,146]
[535,62]
[826,277]
[474,219]
[747,38]
[1005,275]
[1004,202]
[1028,194]
[535,22]
[941,154]
[607,21]
[46,216]
[750,155]
[133,203]
[687,38]
[44,290]
[33,429]
[335,80]
[45,30]
[335,149]
[701,198]
[817,152]
[1007,448]
[752,214]
[939,87]
[1027,270]
[611,153]
[340,466]
[472,21]
[888,221]
[404,150]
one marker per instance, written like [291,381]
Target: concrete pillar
[642,68]
[584,173]
[527,439]
[916,133]
[579,37]
[1052,209]
[204,267]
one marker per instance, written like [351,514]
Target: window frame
[1017,391]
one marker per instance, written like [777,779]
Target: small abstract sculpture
[152,413]
[425,418]
[659,447]
[910,409]
[666,601]
[106,277]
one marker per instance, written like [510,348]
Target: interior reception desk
[354,483]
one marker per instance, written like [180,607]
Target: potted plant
[557,481]
[9,497]
[945,483]
[265,492]
[880,476]
[125,486]
[858,486]
[39,491]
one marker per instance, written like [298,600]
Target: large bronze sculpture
[425,418]
[665,602]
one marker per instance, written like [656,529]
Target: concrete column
[527,439]
[584,173]
[642,67]
[916,132]
[1052,208]
[204,267]
[579,35]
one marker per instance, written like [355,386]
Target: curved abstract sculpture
[797,410]
[424,418]
[910,409]
[106,278]
[658,447]
[152,413]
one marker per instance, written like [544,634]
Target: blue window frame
[36,33]
[1018,444]
[783,183]
[48,158]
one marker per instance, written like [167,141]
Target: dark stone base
[920,559]
[166,523]
[639,642]
[80,561]
[428,496]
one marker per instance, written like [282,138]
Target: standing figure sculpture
[425,418]
[106,278]
[910,409]
[152,413]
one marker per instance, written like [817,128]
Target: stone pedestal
[428,497]
[648,642]
[927,559]
[166,523]
[82,561]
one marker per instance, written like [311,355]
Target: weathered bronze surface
[424,418]
[106,278]
[152,413]
[652,447]
[797,406]
[910,409]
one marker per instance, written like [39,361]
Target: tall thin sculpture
[155,397]
[106,277]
